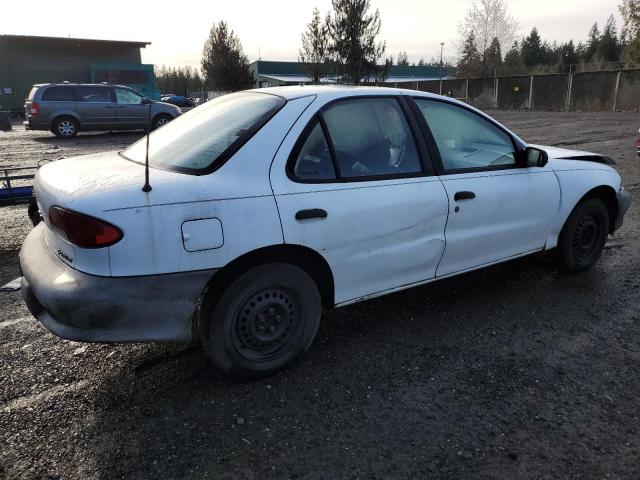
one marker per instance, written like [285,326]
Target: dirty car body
[267,204]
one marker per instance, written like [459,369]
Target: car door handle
[311,213]
[464,196]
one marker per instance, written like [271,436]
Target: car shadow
[165,406]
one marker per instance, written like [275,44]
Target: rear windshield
[58,94]
[198,141]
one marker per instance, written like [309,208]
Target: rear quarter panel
[238,194]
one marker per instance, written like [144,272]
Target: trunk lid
[63,181]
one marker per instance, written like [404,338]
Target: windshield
[200,140]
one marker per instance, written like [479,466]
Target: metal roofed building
[275,74]
[28,60]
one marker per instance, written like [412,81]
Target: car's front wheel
[583,236]
[161,120]
[262,321]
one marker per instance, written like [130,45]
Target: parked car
[66,108]
[268,204]
[179,101]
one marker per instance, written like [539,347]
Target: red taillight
[82,230]
[35,109]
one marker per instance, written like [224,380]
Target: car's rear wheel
[161,120]
[583,236]
[65,127]
[262,321]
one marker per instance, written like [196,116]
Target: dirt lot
[516,371]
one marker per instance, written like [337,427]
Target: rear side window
[58,94]
[32,93]
[94,94]
[314,161]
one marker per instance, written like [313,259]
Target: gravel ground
[515,371]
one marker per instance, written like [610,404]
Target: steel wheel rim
[66,128]
[266,324]
[586,237]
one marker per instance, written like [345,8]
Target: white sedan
[266,205]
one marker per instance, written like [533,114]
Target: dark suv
[65,109]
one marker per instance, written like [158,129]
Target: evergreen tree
[567,54]
[532,49]
[403,58]
[608,46]
[592,44]
[353,31]
[470,64]
[314,53]
[513,58]
[224,64]
[492,57]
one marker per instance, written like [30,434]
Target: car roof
[74,84]
[293,92]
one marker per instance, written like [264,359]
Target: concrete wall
[595,91]
[481,92]
[513,92]
[629,91]
[550,92]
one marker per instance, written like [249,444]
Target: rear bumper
[624,200]
[87,308]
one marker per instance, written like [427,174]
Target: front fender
[574,186]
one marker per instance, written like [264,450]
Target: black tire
[262,321]
[65,127]
[161,120]
[583,236]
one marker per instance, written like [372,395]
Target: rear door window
[94,94]
[372,138]
[58,94]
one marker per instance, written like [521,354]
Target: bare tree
[314,53]
[486,20]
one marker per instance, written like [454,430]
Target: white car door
[352,183]
[498,207]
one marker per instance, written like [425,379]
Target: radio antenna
[147,187]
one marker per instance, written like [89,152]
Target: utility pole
[441,65]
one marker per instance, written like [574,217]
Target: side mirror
[534,157]
[146,101]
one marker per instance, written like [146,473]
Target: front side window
[194,141]
[58,94]
[466,140]
[94,94]
[371,137]
[128,97]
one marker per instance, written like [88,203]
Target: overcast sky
[273,28]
